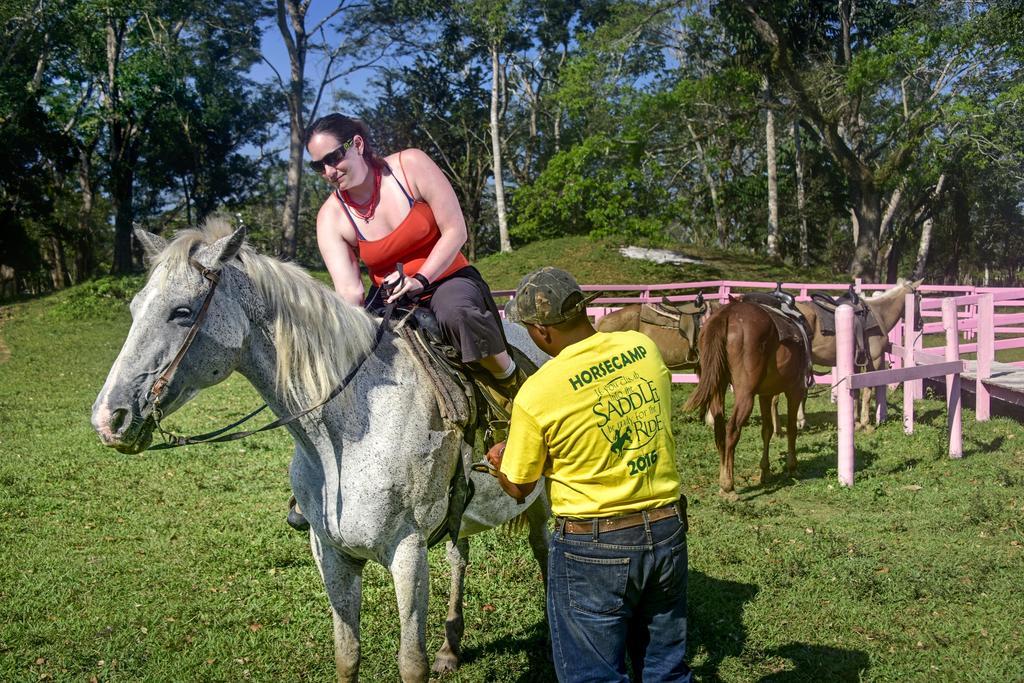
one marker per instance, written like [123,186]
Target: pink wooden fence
[971,311]
[850,382]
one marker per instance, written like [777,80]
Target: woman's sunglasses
[332,158]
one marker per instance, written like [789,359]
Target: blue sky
[274,51]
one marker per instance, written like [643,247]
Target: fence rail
[990,320]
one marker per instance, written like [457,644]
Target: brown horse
[742,344]
[886,310]
[672,327]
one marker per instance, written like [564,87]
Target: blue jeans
[620,592]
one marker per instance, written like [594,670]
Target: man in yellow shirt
[595,421]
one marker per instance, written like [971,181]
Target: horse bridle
[156,391]
[167,375]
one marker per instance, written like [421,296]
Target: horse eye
[181,313]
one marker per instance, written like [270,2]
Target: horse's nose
[111,423]
[119,422]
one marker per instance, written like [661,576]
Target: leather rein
[172,440]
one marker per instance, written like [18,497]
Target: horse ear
[226,248]
[152,244]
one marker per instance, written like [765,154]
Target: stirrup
[296,519]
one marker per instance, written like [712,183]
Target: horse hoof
[730,495]
[445,663]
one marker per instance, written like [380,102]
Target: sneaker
[509,386]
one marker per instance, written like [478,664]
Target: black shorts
[465,311]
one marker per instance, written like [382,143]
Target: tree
[874,83]
[494,25]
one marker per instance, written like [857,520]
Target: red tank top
[410,243]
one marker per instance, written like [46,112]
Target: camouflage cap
[547,297]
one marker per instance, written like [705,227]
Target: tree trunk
[867,208]
[723,235]
[122,201]
[773,177]
[926,232]
[58,266]
[85,249]
[289,9]
[499,186]
[923,247]
[886,234]
[120,157]
[800,198]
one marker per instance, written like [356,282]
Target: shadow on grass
[534,641]
[979,446]
[818,663]
[715,620]
[716,628]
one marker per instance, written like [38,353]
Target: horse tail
[714,374]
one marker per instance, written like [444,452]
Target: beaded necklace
[365,210]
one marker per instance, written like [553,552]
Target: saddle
[465,399]
[684,318]
[790,323]
[864,321]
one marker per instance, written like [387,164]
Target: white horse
[372,466]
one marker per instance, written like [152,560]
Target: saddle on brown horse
[864,321]
[684,317]
[788,320]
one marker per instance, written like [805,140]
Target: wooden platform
[1006,388]
[1005,384]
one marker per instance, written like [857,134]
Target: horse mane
[318,337]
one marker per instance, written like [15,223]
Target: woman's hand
[403,286]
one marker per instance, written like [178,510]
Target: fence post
[896,337]
[986,354]
[844,411]
[919,346]
[881,403]
[953,402]
[910,386]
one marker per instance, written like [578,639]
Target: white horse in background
[372,466]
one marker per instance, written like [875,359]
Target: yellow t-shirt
[596,421]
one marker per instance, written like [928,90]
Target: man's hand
[517,491]
[495,455]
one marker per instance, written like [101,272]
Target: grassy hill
[599,262]
[178,566]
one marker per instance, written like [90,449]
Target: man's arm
[517,491]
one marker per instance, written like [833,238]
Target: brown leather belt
[606,524]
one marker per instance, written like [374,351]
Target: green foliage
[105,298]
[595,188]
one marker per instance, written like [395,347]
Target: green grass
[178,566]
[599,262]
